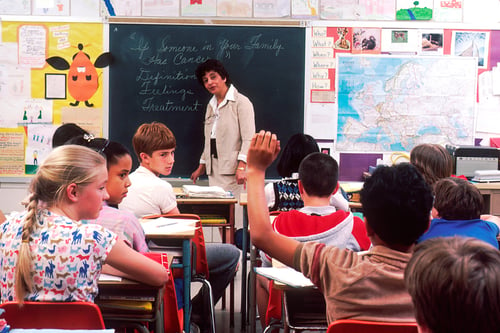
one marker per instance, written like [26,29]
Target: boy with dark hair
[317,221]
[154,145]
[366,286]
[457,212]
[454,283]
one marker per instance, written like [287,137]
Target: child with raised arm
[368,286]
[316,221]
[457,212]
[454,283]
[47,253]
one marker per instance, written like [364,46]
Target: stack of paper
[196,191]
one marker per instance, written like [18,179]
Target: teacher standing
[229,127]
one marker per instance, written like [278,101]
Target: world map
[392,103]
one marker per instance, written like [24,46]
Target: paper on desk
[109,277]
[285,275]
[167,226]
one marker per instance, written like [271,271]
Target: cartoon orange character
[83,79]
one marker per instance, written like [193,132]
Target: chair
[200,267]
[57,315]
[354,326]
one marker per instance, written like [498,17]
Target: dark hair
[212,65]
[319,173]
[433,161]
[457,199]
[397,204]
[151,137]
[111,150]
[298,146]
[66,132]
[454,284]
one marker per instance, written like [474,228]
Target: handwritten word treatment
[166,66]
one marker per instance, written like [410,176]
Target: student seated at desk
[47,253]
[154,145]
[433,161]
[457,212]
[284,195]
[119,164]
[454,283]
[317,220]
[366,286]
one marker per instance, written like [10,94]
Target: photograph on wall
[432,42]
[366,40]
[399,41]
[342,37]
[410,10]
[471,44]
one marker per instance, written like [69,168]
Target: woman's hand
[241,175]
[197,173]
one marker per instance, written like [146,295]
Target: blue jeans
[222,261]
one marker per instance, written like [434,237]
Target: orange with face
[83,79]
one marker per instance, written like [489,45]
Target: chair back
[56,315]
[356,326]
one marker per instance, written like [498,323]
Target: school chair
[55,315]
[200,265]
[355,326]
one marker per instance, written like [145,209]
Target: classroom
[368,80]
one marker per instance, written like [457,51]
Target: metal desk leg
[244,243]
[251,290]
[186,265]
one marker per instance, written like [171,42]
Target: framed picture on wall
[55,86]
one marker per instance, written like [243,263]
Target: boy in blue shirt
[457,212]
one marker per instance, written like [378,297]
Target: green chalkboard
[152,79]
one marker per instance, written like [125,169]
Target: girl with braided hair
[47,254]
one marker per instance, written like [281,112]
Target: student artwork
[414,10]
[471,44]
[448,10]
[82,76]
[366,40]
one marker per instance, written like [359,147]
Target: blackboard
[152,79]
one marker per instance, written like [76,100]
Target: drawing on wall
[83,79]
[414,10]
[448,10]
[471,44]
[366,40]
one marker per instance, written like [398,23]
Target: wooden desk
[181,239]
[212,206]
[491,196]
[215,206]
[128,290]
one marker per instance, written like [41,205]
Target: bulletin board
[35,98]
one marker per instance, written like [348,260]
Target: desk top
[173,228]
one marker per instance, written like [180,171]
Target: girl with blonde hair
[47,254]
